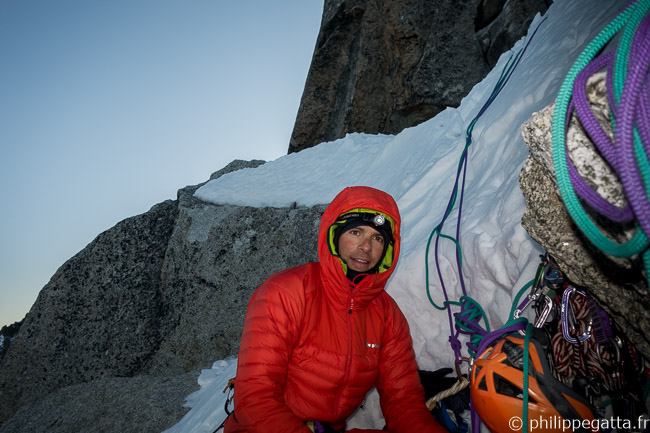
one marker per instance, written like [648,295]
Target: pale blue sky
[108,107]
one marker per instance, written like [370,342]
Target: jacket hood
[337,286]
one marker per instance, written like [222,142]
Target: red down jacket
[314,344]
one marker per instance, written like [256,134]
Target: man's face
[361,247]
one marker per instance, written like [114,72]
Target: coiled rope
[628,89]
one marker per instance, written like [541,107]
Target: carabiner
[565,307]
[524,304]
[617,344]
[543,316]
[522,307]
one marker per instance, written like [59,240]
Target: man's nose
[365,244]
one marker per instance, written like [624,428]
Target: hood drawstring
[355,277]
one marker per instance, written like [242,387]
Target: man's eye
[379,239]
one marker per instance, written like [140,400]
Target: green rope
[524,410]
[510,64]
[426,265]
[639,242]
[624,46]
[476,312]
[620,75]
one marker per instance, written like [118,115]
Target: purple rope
[595,201]
[640,34]
[495,335]
[600,139]
[643,109]
[637,115]
[634,85]
[453,339]
[582,105]
[644,113]
[476,421]
[642,124]
[613,103]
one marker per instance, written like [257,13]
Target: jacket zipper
[348,361]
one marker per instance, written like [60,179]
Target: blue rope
[469,317]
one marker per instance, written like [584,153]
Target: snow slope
[418,168]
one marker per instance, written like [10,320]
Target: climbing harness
[314,426]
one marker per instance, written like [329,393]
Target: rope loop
[467,321]
[627,89]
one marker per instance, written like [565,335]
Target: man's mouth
[360,262]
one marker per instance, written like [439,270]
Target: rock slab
[618,284]
[159,295]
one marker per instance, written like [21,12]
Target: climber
[319,336]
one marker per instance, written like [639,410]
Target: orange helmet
[496,391]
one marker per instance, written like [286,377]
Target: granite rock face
[99,316]
[216,257]
[500,23]
[7,334]
[157,296]
[617,284]
[380,67]
[114,404]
